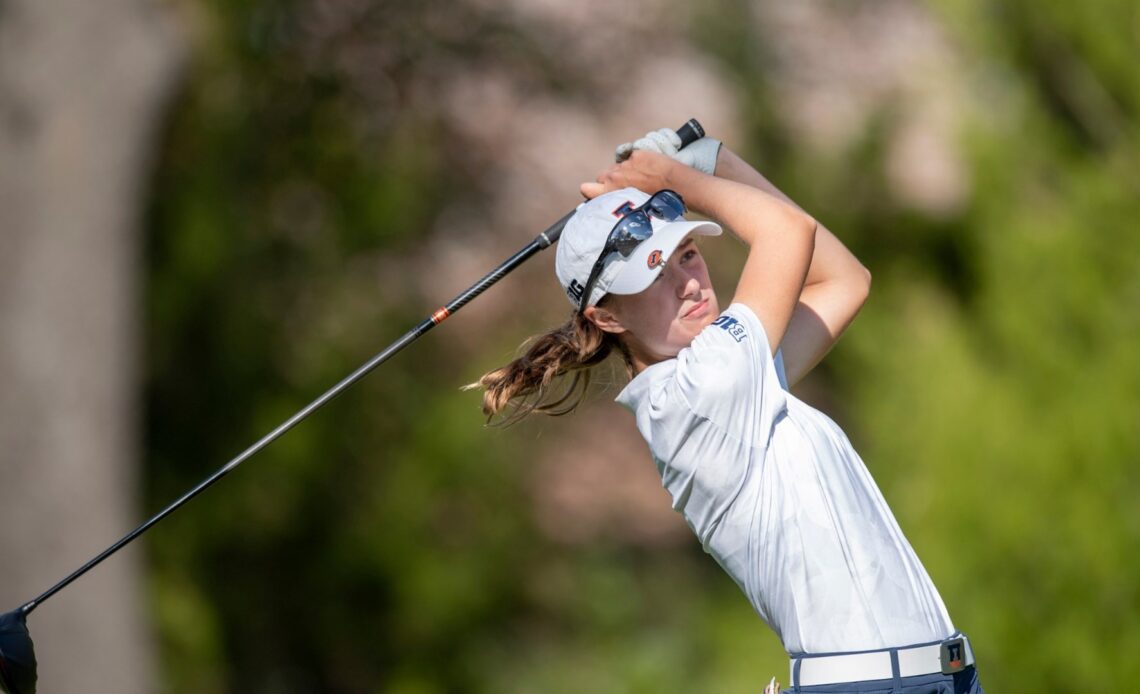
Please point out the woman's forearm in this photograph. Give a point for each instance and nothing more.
(749, 214)
(831, 260)
(780, 236)
(834, 289)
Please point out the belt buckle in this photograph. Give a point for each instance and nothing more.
(953, 656)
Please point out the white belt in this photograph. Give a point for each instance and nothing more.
(876, 665)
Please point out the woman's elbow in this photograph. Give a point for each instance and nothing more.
(805, 229)
(809, 226)
(861, 284)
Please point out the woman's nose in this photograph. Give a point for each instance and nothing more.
(691, 287)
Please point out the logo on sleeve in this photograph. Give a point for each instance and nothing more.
(731, 326)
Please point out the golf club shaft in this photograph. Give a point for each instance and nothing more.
(427, 324)
(689, 132)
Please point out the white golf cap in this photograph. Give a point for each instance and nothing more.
(585, 235)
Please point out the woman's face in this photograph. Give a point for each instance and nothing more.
(660, 321)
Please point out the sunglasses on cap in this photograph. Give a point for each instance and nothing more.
(633, 228)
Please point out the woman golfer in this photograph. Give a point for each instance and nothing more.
(770, 486)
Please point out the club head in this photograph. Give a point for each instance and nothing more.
(17, 655)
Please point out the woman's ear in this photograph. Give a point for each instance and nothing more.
(604, 318)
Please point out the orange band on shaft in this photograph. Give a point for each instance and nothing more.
(440, 315)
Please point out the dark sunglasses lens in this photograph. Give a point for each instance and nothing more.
(667, 205)
(631, 231)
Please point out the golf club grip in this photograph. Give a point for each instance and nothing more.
(689, 133)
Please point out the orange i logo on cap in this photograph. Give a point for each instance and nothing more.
(655, 260)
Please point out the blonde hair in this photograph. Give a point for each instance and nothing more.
(536, 381)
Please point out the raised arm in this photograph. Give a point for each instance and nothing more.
(834, 290)
(780, 237)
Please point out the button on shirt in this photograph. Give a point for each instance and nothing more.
(776, 493)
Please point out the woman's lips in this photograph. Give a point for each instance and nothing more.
(698, 310)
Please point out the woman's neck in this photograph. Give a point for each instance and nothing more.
(641, 359)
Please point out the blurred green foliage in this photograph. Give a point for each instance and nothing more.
(1008, 419)
(387, 544)
(993, 381)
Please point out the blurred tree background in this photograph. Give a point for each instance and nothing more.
(335, 169)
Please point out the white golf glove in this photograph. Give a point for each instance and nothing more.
(701, 155)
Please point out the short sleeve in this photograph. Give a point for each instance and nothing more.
(708, 417)
(729, 377)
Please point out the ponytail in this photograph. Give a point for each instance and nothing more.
(528, 384)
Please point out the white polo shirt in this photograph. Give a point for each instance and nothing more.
(776, 493)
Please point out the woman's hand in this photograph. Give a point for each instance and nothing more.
(647, 171)
(701, 155)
